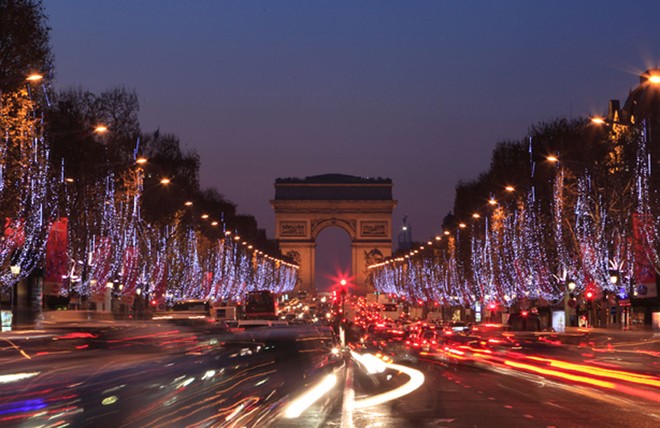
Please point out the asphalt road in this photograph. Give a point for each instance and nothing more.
(463, 396)
(148, 376)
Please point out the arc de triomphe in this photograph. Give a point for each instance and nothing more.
(361, 206)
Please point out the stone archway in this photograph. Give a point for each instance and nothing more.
(360, 206)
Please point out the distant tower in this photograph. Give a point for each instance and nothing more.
(405, 236)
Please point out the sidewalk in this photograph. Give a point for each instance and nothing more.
(615, 337)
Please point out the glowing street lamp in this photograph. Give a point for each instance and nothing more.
(15, 270)
(510, 189)
(476, 215)
(165, 181)
(552, 158)
(570, 284)
(598, 120)
(614, 277)
(141, 161)
(462, 225)
(492, 201)
(654, 79)
(34, 77)
(188, 203)
(101, 129)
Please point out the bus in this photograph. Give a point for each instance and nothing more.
(187, 309)
(260, 304)
(391, 311)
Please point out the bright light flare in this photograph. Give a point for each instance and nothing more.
(310, 397)
(598, 120)
(370, 362)
(35, 77)
(101, 129)
(654, 78)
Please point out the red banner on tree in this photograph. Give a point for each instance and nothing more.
(159, 278)
(57, 260)
(643, 272)
(207, 282)
(14, 233)
(131, 271)
(101, 264)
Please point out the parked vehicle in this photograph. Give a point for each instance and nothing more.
(188, 309)
(225, 313)
(525, 321)
(261, 304)
(391, 311)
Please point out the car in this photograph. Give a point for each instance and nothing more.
(497, 337)
(525, 321)
(456, 326)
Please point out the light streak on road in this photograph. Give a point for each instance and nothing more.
(308, 398)
(608, 373)
(416, 380)
(235, 413)
(562, 375)
(370, 362)
(23, 353)
(15, 377)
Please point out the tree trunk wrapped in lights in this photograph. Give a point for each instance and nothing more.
(25, 185)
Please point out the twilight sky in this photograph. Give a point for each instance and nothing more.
(417, 91)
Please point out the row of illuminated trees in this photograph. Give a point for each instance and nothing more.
(88, 201)
(99, 206)
(572, 208)
(103, 206)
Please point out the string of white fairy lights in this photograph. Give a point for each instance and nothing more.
(517, 253)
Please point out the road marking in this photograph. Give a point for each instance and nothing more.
(550, 403)
(348, 403)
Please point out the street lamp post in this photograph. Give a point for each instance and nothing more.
(16, 271)
(342, 321)
(568, 295)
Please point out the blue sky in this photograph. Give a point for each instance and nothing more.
(417, 91)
